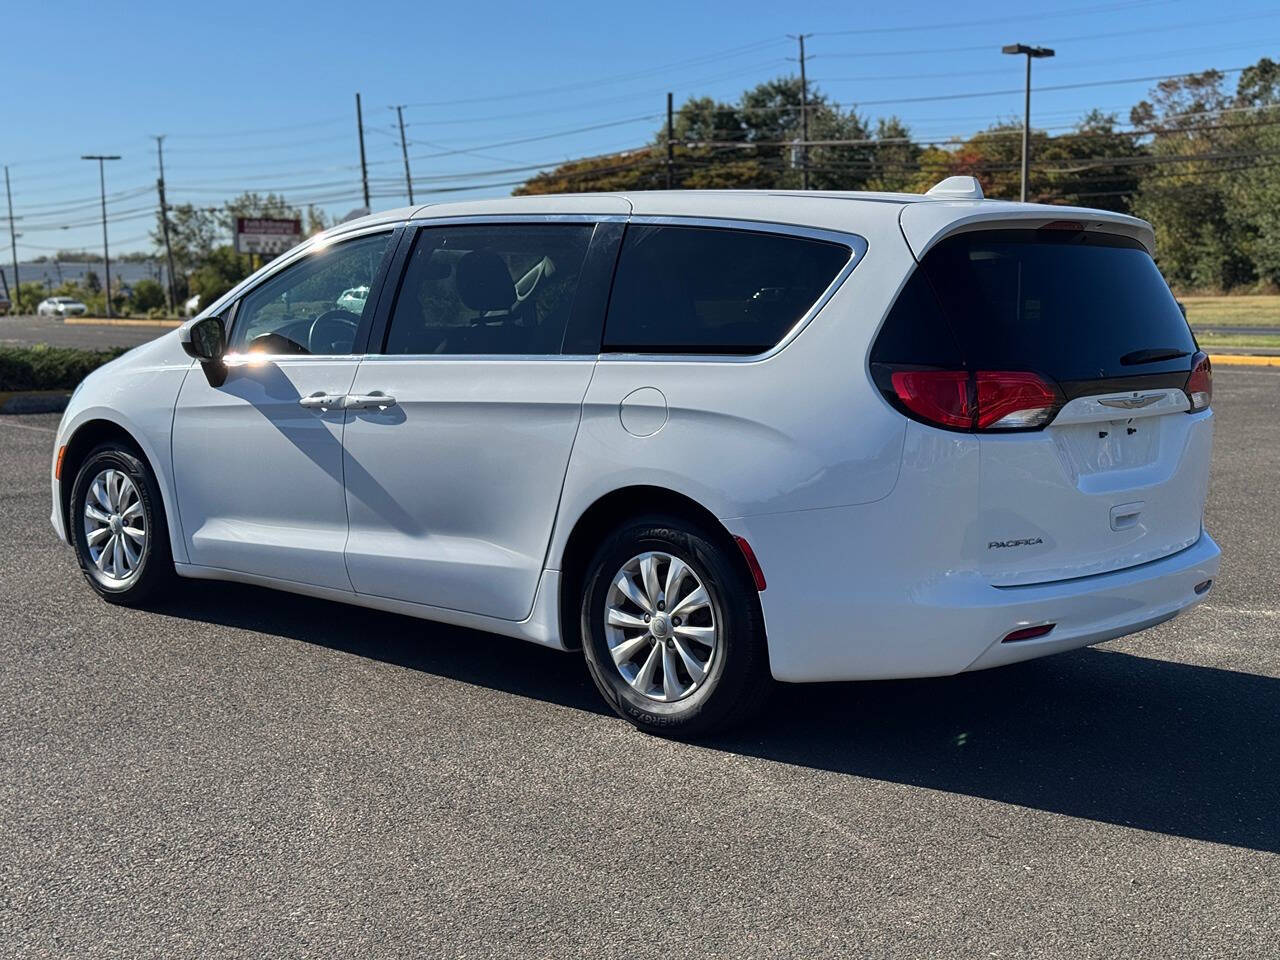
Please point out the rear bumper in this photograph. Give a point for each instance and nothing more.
(832, 615)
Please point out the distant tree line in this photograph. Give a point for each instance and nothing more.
(1199, 160)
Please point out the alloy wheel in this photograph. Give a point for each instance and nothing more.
(115, 525)
(661, 626)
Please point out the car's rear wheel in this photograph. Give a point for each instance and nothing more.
(118, 526)
(672, 630)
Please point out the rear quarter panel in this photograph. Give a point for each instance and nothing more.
(799, 429)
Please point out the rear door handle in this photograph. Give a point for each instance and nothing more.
(368, 401)
(322, 401)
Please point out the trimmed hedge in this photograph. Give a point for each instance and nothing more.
(42, 367)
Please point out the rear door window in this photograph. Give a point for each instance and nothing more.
(1074, 306)
(706, 290)
(492, 289)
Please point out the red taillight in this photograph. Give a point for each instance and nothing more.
(1200, 384)
(940, 396)
(986, 400)
(1014, 401)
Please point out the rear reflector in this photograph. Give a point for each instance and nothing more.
(752, 563)
(1200, 384)
(986, 400)
(1029, 633)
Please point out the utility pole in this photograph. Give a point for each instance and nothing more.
(1032, 53)
(13, 237)
(804, 115)
(164, 227)
(106, 253)
(364, 167)
(671, 141)
(404, 152)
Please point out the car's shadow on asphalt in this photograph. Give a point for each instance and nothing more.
(1183, 750)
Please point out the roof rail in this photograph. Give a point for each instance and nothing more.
(957, 188)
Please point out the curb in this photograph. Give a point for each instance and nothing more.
(119, 322)
(34, 401)
(1242, 360)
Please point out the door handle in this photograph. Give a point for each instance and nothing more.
(322, 401)
(368, 401)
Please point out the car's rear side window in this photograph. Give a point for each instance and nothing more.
(710, 290)
(1075, 306)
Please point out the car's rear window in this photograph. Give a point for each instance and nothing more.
(1072, 305)
(714, 291)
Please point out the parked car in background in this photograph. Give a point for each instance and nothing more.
(61, 307)
(713, 439)
(353, 299)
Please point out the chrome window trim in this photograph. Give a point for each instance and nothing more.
(856, 244)
(518, 219)
(485, 357)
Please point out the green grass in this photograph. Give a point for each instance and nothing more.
(1257, 310)
(42, 367)
(1208, 339)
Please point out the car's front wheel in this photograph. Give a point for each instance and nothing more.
(672, 629)
(118, 526)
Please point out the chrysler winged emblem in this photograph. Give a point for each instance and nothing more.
(1131, 403)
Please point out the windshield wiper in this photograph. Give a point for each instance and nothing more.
(1152, 355)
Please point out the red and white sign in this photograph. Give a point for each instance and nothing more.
(263, 235)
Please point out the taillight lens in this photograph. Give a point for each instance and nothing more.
(1014, 401)
(1200, 384)
(986, 400)
(942, 397)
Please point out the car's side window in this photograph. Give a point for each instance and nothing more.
(712, 290)
(489, 289)
(314, 306)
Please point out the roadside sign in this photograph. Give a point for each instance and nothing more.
(266, 236)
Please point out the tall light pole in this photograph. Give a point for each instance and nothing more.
(1031, 53)
(106, 253)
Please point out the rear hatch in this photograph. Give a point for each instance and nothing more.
(1061, 348)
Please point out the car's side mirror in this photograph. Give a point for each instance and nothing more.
(206, 339)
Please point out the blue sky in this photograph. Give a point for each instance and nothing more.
(261, 96)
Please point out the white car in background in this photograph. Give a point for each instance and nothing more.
(353, 299)
(712, 439)
(61, 307)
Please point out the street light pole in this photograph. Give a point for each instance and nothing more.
(1030, 53)
(106, 253)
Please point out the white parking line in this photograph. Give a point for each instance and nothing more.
(27, 426)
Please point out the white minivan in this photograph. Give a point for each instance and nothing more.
(715, 439)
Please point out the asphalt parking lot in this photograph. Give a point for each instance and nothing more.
(28, 329)
(244, 773)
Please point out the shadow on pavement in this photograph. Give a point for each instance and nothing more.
(1183, 750)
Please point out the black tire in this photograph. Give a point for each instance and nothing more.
(737, 683)
(154, 568)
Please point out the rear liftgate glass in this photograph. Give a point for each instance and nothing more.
(996, 333)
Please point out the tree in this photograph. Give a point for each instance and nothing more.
(92, 283)
(1201, 235)
(221, 271)
(147, 295)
